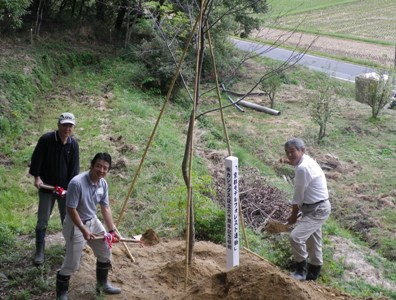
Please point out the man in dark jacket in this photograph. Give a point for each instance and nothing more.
(55, 161)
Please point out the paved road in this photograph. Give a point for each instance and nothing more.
(336, 69)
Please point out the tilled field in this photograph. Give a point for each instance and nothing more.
(383, 55)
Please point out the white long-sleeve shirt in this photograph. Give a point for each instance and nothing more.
(310, 184)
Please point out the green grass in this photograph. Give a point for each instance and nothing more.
(116, 116)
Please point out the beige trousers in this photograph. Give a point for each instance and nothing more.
(306, 237)
(75, 243)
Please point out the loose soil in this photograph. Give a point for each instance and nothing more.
(159, 272)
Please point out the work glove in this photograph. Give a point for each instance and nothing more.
(59, 191)
(110, 238)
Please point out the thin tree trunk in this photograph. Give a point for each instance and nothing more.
(81, 9)
(73, 8)
(39, 18)
(120, 15)
(62, 7)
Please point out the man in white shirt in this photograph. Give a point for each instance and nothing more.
(311, 197)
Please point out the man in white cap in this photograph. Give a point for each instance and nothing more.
(55, 161)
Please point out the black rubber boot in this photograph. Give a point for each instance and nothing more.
(62, 285)
(40, 246)
(313, 272)
(301, 270)
(102, 285)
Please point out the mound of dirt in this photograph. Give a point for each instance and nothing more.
(159, 272)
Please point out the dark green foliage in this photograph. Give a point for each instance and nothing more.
(161, 68)
(24, 280)
(11, 13)
(227, 59)
(16, 92)
(7, 239)
(243, 14)
(280, 250)
(150, 51)
(211, 227)
(62, 63)
(388, 249)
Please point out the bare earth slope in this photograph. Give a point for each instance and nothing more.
(159, 273)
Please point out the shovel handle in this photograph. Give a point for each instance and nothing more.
(125, 240)
(52, 188)
(47, 187)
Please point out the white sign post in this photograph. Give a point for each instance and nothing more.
(232, 211)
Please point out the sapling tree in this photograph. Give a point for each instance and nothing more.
(379, 93)
(271, 85)
(322, 106)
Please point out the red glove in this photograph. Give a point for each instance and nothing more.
(110, 238)
(59, 191)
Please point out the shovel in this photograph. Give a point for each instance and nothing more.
(57, 190)
(148, 238)
(125, 240)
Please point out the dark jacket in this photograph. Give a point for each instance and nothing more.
(56, 163)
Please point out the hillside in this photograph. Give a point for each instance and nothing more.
(115, 115)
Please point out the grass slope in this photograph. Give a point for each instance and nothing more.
(116, 116)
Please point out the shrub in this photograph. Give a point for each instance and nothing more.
(7, 238)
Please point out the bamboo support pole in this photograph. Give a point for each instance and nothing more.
(126, 247)
(152, 135)
(225, 130)
(195, 102)
(218, 94)
(156, 125)
(260, 257)
(255, 254)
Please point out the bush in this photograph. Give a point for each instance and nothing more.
(210, 227)
(280, 250)
(7, 239)
(388, 249)
(11, 13)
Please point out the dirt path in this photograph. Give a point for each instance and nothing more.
(384, 55)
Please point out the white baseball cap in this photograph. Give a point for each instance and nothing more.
(67, 118)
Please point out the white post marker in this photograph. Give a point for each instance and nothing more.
(232, 211)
